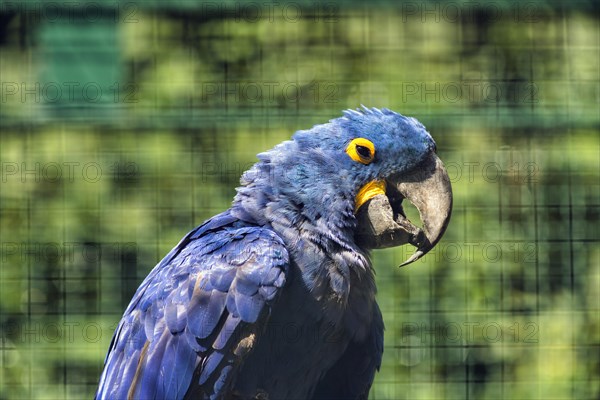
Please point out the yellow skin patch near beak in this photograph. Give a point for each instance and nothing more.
(367, 192)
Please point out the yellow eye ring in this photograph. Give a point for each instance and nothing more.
(361, 150)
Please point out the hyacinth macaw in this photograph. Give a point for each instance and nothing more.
(275, 297)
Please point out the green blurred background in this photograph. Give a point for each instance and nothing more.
(125, 124)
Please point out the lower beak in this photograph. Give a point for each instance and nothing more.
(382, 222)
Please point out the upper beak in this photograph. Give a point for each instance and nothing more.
(382, 222)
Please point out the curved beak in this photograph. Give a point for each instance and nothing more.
(382, 222)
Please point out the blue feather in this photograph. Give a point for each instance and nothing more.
(209, 366)
(178, 367)
(204, 311)
(149, 385)
(228, 329)
(175, 317)
(222, 380)
(221, 278)
(249, 307)
(193, 342)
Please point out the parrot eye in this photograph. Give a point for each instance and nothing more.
(361, 150)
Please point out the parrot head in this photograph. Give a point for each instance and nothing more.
(349, 178)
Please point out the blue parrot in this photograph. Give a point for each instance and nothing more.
(275, 297)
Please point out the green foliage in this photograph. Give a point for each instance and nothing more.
(505, 307)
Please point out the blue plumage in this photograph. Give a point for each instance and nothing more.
(273, 296)
(168, 326)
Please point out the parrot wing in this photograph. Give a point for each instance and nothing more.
(197, 314)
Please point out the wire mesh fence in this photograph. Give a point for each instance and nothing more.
(124, 125)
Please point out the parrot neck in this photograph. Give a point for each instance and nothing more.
(332, 267)
(319, 224)
(314, 217)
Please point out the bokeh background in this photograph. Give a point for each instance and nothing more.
(125, 124)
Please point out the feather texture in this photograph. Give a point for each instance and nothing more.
(272, 298)
(182, 329)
